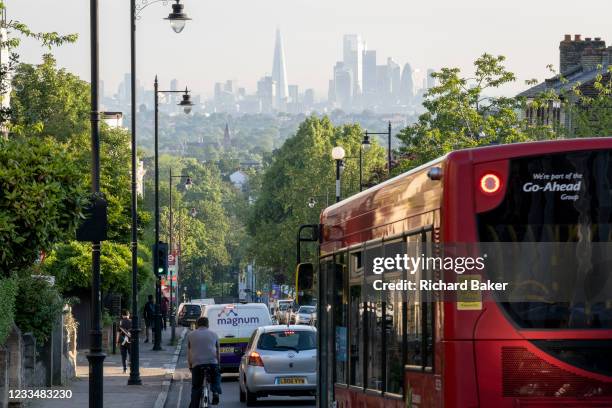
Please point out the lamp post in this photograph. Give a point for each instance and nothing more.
(365, 146)
(175, 20)
(95, 356)
(188, 184)
(338, 154)
(389, 151)
(186, 104)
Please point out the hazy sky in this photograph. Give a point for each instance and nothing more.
(234, 39)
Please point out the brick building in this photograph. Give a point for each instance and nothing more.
(580, 61)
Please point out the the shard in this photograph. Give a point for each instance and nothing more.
(279, 71)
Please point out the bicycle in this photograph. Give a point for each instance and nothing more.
(206, 398)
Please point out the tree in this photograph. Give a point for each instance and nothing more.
(459, 114)
(300, 169)
(15, 31)
(51, 99)
(70, 263)
(43, 197)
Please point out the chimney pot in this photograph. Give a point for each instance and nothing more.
(577, 37)
(568, 37)
(597, 38)
(587, 39)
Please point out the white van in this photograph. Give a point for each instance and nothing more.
(234, 323)
(207, 301)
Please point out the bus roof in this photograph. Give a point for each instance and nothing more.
(384, 206)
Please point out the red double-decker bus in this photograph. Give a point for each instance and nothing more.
(398, 349)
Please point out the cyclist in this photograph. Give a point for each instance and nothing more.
(203, 354)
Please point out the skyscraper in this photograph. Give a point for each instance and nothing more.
(173, 87)
(407, 86)
(369, 75)
(279, 71)
(343, 85)
(394, 78)
(431, 81)
(352, 48)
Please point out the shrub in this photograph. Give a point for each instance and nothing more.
(38, 307)
(8, 290)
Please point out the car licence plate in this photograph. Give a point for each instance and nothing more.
(227, 349)
(291, 380)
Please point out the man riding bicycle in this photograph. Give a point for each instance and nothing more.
(203, 354)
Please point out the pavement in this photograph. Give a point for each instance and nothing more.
(156, 371)
(180, 391)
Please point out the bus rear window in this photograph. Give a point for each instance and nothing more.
(556, 198)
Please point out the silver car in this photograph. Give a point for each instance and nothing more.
(303, 315)
(279, 360)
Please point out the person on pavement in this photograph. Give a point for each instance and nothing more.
(149, 315)
(164, 312)
(203, 354)
(123, 337)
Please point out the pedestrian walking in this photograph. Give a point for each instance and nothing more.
(124, 337)
(164, 312)
(149, 315)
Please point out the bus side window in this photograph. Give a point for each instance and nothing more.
(420, 310)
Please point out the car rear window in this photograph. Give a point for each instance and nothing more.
(297, 340)
(192, 309)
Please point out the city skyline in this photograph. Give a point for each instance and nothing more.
(238, 46)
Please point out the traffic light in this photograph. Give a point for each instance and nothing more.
(161, 253)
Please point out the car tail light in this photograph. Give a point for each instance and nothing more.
(255, 359)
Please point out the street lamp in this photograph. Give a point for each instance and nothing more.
(186, 102)
(188, 184)
(135, 11)
(338, 154)
(158, 317)
(177, 18)
(96, 355)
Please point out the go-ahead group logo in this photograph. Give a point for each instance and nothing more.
(229, 317)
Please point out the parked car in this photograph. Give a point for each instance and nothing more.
(303, 315)
(279, 360)
(188, 314)
(234, 323)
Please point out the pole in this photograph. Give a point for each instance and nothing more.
(360, 169)
(95, 355)
(170, 230)
(389, 151)
(157, 325)
(135, 330)
(338, 165)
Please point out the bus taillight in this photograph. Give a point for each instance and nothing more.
(490, 183)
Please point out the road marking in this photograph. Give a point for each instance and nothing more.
(180, 395)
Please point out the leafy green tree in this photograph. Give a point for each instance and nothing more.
(51, 98)
(70, 263)
(16, 30)
(43, 196)
(300, 169)
(459, 114)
